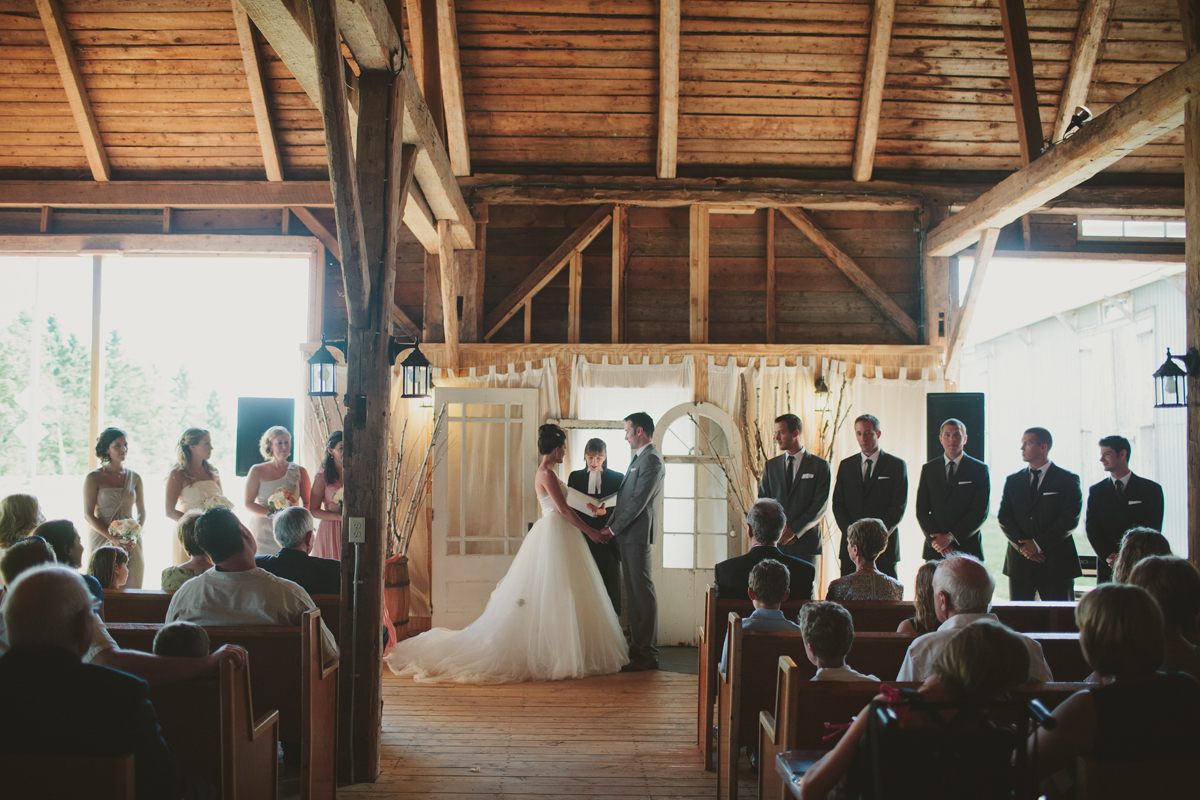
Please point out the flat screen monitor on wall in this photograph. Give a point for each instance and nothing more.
(965, 406)
(254, 416)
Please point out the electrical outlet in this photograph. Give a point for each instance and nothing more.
(358, 530)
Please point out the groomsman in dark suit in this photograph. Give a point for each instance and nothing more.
(600, 481)
(1118, 503)
(872, 484)
(1039, 512)
(952, 497)
(799, 481)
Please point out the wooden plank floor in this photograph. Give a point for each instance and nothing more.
(621, 736)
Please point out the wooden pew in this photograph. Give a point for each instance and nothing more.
(210, 725)
(148, 605)
(803, 706)
(1162, 780)
(287, 676)
(54, 777)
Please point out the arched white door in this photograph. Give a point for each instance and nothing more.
(698, 525)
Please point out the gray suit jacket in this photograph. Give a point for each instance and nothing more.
(633, 521)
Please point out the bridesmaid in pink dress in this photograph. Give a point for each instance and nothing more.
(322, 505)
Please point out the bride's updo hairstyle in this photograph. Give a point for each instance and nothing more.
(183, 451)
(550, 438)
(105, 440)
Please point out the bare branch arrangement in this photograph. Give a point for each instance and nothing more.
(734, 483)
(832, 423)
(402, 538)
(393, 490)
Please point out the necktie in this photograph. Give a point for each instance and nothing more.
(633, 461)
(867, 472)
(1120, 487)
(791, 461)
(1034, 474)
(950, 476)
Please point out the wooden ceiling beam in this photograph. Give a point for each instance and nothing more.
(983, 257)
(668, 87)
(544, 272)
(72, 79)
(874, 78)
(1089, 38)
(1020, 73)
(854, 272)
(156, 194)
(367, 28)
(1141, 118)
(318, 229)
(452, 89)
(272, 164)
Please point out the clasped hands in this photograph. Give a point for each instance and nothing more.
(1030, 550)
(602, 536)
(942, 542)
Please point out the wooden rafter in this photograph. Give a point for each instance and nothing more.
(698, 274)
(1093, 28)
(318, 229)
(983, 257)
(416, 39)
(545, 271)
(72, 79)
(156, 194)
(448, 282)
(853, 271)
(874, 78)
(452, 89)
(1141, 118)
(258, 96)
(401, 176)
(620, 270)
(1020, 73)
(668, 87)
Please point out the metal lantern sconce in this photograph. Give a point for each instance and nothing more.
(322, 373)
(1170, 382)
(821, 388)
(415, 375)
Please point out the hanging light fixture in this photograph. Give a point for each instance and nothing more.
(415, 374)
(1170, 382)
(322, 373)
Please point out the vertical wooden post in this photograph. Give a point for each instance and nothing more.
(432, 317)
(529, 320)
(620, 266)
(449, 285)
(935, 288)
(698, 266)
(1189, 13)
(770, 276)
(668, 87)
(96, 397)
(574, 295)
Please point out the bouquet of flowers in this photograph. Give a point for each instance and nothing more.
(125, 530)
(282, 499)
(338, 495)
(218, 501)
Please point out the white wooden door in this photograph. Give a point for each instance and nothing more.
(483, 495)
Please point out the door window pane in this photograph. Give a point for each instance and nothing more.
(677, 551)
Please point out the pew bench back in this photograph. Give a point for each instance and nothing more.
(149, 605)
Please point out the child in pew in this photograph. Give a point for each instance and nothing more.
(828, 631)
(184, 639)
(769, 582)
(110, 566)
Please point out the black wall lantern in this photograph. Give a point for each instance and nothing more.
(1170, 382)
(322, 373)
(415, 374)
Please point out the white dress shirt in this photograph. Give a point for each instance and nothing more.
(918, 661)
(594, 480)
(842, 673)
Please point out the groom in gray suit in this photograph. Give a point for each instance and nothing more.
(632, 526)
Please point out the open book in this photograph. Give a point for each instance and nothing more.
(579, 501)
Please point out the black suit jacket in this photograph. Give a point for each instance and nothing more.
(733, 575)
(959, 509)
(55, 704)
(805, 504)
(1050, 520)
(315, 575)
(1141, 506)
(610, 481)
(885, 497)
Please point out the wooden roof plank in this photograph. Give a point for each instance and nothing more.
(874, 78)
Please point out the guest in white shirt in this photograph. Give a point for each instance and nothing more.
(828, 631)
(235, 591)
(962, 594)
(768, 589)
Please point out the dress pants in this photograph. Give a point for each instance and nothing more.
(1045, 584)
(643, 603)
(608, 560)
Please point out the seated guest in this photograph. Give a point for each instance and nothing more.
(109, 566)
(828, 632)
(1175, 584)
(1138, 543)
(768, 589)
(866, 541)
(183, 639)
(1142, 714)
(962, 594)
(235, 591)
(764, 525)
(66, 707)
(925, 619)
(27, 553)
(68, 549)
(294, 531)
(19, 515)
(980, 662)
(198, 561)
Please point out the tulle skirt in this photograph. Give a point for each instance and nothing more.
(549, 618)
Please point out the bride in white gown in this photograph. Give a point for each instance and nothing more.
(549, 618)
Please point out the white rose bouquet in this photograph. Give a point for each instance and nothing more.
(218, 501)
(339, 495)
(125, 530)
(282, 499)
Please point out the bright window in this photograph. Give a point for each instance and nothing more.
(1134, 228)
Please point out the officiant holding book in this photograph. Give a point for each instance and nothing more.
(599, 481)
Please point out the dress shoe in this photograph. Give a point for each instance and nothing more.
(640, 665)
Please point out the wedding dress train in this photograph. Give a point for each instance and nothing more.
(549, 618)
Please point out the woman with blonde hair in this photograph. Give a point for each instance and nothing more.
(925, 619)
(193, 483)
(19, 515)
(109, 494)
(1175, 584)
(866, 541)
(275, 475)
(198, 561)
(110, 566)
(1136, 544)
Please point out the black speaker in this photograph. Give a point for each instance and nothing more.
(254, 416)
(964, 406)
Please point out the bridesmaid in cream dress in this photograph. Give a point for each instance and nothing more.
(322, 505)
(269, 477)
(109, 494)
(192, 483)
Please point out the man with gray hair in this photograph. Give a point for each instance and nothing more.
(294, 532)
(962, 593)
(764, 525)
(70, 708)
